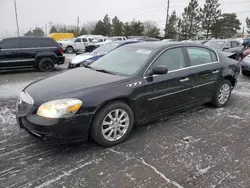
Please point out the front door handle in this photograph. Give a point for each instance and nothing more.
(184, 80)
(215, 72)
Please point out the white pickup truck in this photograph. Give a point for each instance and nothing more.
(79, 43)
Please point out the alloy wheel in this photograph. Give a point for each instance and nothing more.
(115, 125)
(224, 93)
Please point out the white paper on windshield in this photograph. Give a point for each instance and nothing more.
(142, 51)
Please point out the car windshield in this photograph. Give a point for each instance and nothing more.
(126, 60)
(106, 47)
(217, 44)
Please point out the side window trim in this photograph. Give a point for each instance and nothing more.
(164, 50)
(189, 61)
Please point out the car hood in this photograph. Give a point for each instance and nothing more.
(228, 54)
(82, 57)
(72, 83)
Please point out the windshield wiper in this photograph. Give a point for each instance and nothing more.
(89, 67)
(105, 71)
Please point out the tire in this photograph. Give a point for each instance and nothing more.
(70, 50)
(97, 127)
(224, 89)
(46, 65)
(245, 73)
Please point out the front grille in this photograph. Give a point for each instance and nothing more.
(24, 104)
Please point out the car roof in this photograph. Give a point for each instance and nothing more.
(29, 37)
(159, 44)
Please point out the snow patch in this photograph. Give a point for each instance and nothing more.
(203, 171)
(6, 117)
(11, 90)
(241, 93)
(66, 173)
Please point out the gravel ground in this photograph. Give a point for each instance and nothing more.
(203, 147)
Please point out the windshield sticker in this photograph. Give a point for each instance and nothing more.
(142, 51)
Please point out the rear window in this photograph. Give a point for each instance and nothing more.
(46, 43)
(28, 43)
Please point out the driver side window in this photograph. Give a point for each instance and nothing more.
(78, 40)
(173, 59)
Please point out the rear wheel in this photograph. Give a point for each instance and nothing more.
(222, 94)
(112, 124)
(246, 73)
(70, 49)
(46, 65)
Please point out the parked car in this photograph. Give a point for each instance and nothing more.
(42, 53)
(129, 85)
(169, 40)
(61, 41)
(118, 38)
(95, 44)
(79, 44)
(88, 58)
(245, 65)
(228, 45)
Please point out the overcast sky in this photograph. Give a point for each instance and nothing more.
(33, 13)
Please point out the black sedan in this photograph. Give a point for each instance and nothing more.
(130, 85)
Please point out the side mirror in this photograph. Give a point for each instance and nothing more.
(161, 69)
(226, 48)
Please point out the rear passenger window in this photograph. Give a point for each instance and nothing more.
(199, 56)
(46, 43)
(9, 44)
(28, 43)
(78, 40)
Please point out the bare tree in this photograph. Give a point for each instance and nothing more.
(151, 29)
(89, 26)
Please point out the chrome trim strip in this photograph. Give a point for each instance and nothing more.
(204, 84)
(28, 48)
(16, 60)
(13, 60)
(168, 94)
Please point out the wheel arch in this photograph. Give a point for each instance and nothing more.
(125, 100)
(42, 55)
(231, 79)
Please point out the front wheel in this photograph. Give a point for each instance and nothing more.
(112, 124)
(222, 94)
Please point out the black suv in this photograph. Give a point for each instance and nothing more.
(25, 52)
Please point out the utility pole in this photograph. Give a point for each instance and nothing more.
(16, 19)
(243, 32)
(77, 27)
(167, 16)
(46, 30)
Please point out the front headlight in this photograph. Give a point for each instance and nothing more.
(86, 62)
(59, 108)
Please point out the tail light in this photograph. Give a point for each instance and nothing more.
(61, 51)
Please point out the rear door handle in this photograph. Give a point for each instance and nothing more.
(215, 72)
(184, 80)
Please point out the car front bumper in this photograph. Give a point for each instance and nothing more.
(60, 130)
